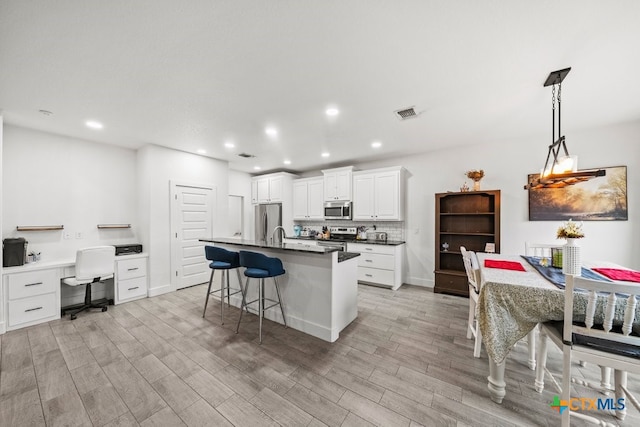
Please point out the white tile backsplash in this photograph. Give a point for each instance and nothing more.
(394, 229)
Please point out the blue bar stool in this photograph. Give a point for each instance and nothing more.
(223, 260)
(260, 266)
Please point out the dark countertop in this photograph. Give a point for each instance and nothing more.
(345, 256)
(299, 247)
(365, 242)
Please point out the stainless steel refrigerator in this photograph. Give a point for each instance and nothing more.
(268, 217)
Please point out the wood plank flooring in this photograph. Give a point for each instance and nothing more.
(405, 361)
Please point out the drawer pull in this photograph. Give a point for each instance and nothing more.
(368, 249)
(132, 269)
(368, 275)
(34, 284)
(368, 260)
(130, 289)
(33, 309)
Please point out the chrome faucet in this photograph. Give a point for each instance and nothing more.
(275, 231)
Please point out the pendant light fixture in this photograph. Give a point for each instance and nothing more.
(560, 169)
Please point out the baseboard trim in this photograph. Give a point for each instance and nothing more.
(419, 281)
(159, 290)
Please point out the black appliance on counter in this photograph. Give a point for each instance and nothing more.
(14, 251)
(132, 248)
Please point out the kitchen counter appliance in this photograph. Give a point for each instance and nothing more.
(337, 210)
(338, 237)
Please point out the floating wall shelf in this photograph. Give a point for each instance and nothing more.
(39, 227)
(110, 226)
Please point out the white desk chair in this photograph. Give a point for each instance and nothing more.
(607, 345)
(472, 268)
(93, 265)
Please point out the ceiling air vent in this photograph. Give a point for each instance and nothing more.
(246, 155)
(406, 113)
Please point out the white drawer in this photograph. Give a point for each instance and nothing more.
(33, 308)
(130, 268)
(375, 275)
(373, 249)
(132, 288)
(381, 261)
(32, 283)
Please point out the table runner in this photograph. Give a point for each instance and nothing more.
(555, 275)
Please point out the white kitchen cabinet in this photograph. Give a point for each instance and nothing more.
(32, 297)
(379, 265)
(131, 278)
(337, 184)
(308, 199)
(378, 195)
(270, 188)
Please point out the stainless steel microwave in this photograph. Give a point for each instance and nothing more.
(337, 210)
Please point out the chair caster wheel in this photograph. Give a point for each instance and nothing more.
(73, 317)
(104, 308)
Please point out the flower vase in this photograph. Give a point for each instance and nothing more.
(571, 258)
(476, 185)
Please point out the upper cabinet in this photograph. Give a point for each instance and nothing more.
(337, 184)
(270, 188)
(378, 195)
(308, 199)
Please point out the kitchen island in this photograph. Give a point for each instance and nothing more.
(319, 290)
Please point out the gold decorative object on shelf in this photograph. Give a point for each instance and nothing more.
(476, 176)
(39, 227)
(110, 226)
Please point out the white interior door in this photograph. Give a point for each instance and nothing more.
(192, 208)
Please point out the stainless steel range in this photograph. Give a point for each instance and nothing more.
(338, 237)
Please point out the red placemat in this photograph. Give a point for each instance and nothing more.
(505, 265)
(619, 274)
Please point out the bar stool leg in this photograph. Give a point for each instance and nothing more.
(280, 301)
(242, 291)
(261, 306)
(244, 304)
(206, 301)
(224, 273)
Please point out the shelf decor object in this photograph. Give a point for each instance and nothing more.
(470, 219)
(560, 170)
(112, 226)
(39, 227)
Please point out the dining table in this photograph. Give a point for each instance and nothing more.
(516, 294)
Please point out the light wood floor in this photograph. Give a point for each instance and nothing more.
(405, 361)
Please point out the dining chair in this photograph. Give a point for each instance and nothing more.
(542, 250)
(472, 267)
(597, 339)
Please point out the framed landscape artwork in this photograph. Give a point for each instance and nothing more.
(599, 199)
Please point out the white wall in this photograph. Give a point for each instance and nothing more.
(55, 180)
(506, 166)
(240, 185)
(156, 167)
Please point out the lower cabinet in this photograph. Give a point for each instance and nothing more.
(131, 278)
(32, 297)
(379, 264)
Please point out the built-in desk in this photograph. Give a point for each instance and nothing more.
(32, 293)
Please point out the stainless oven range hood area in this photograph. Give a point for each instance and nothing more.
(338, 210)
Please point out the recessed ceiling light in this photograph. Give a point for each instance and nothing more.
(201, 151)
(376, 144)
(271, 131)
(93, 124)
(325, 154)
(287, 162)
(331, 112)
(229, 144)
(257, 168)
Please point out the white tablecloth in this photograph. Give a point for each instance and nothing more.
(512, 303)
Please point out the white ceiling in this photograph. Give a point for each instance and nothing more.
(195, 74)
